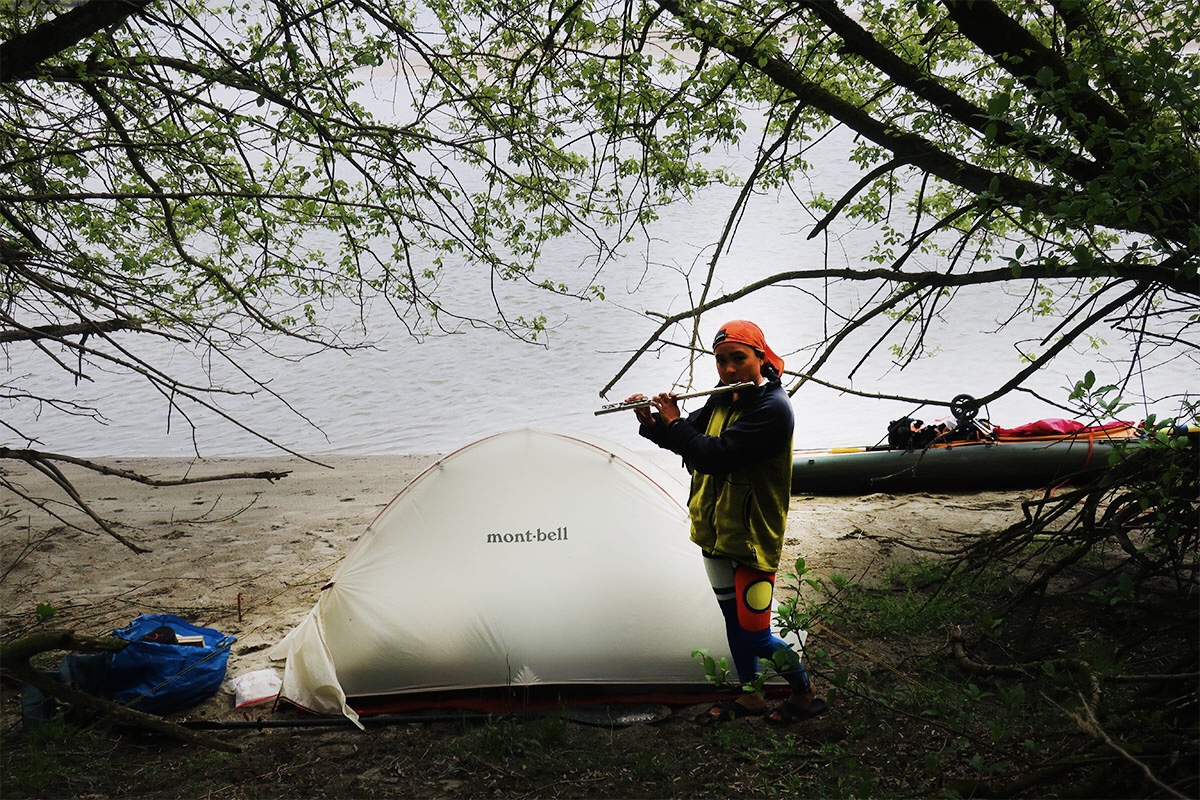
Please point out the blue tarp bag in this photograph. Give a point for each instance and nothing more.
(156, 674)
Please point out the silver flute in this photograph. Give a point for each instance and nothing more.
(729, 387)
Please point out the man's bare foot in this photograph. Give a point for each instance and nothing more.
(749, 705)
(797, 708)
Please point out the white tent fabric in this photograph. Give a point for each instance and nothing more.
(529, 557)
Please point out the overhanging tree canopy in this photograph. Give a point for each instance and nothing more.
(1056, 139)
(208, 175)
(172, 164)
(204, 178)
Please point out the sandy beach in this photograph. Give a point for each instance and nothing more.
(248, 557)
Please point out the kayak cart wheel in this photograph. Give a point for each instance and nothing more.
(964, 407)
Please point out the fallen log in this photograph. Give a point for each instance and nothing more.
(15, 657)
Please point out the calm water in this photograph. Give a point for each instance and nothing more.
(441, 393)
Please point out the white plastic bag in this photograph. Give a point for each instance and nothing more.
(256, 687)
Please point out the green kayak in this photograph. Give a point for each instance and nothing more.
(1003, 463)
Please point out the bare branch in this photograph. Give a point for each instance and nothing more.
(45, 463)
(34, 456)
(61, 331)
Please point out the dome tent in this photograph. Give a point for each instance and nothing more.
(528, 558)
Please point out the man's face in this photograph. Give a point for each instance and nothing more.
(737, 362)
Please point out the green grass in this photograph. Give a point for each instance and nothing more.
(507, 737)
(57, 754)
(907, 720)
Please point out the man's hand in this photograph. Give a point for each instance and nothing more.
(667, 405)
(645, 415)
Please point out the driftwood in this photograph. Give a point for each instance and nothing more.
(15, 656)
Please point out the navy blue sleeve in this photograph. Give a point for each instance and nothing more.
(763, 429)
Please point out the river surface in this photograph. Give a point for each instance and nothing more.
(440, 393)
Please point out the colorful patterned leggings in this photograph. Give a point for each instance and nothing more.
(744, 595)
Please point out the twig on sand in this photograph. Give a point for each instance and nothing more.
(47, 464)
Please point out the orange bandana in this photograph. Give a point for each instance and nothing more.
(742, 331)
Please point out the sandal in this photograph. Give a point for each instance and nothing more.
(728, 711)
(787, 712)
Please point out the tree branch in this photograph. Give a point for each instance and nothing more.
(918, 280)
(1088, 723)
(926, 86)
(907, 147)
(76, 329)
(1018, 51)
(21, 55)
(1045, 199)
(44, 463)
(33, 456)
(1076, 666)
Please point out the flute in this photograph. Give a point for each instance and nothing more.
(729, 387)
